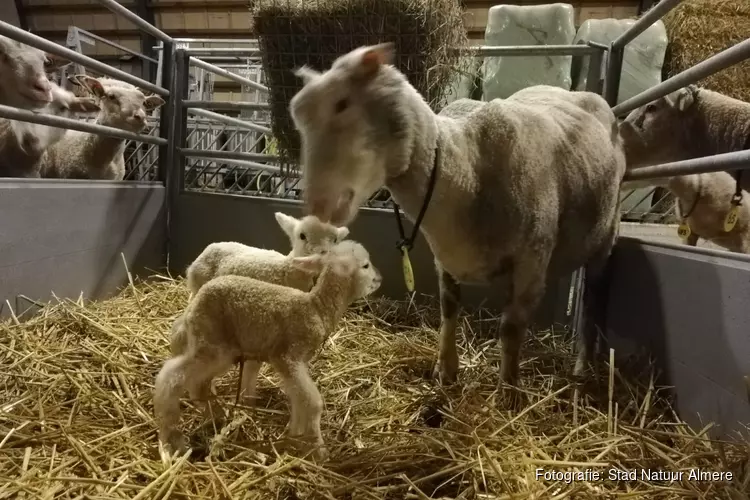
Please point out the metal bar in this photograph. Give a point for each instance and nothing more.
(40, 43)
(167, 76)
(594, 81)
(226, 155)
(612, 78)
(527, 50)
(713, 64)
(208, 51)
(738, 160)
(133, 18)
(227, 105)
(144, 10)
(230, 121)
(117, 46)
(645, 22)
(216, 40)
(23, 115)
(227, 74)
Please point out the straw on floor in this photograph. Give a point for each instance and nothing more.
(76, 417)
(315, 32)
(699, 29)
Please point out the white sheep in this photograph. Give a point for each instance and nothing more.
(693, 122)
(235, 317)
(309, 235)
(24, 83)
(22, 144)
(82, 155)
(527, 187)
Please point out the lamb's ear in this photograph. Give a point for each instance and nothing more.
(152, 102)
(306, 74)
(341, 233)
(287, 223)
(373, 58)
(84, 105)
(91, 84)
(311, 263)
(683, 98)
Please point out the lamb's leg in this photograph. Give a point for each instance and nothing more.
(306, 404)
(446, 368)
(527, 291)
(250, 381)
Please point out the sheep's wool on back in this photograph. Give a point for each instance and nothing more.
(642, 61)
(551, 24)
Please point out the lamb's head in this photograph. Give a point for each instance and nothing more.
(123, 105)
(24, 83)
(309, 235)
(658, 131)
(355, 130)
(347, 260)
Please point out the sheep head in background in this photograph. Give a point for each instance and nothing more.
(659, 131)
(24, 83)
(354, 132)
(309, 235)
(123, 105)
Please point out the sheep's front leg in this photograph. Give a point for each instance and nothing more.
(250, 381)
(306, 404)
(446, 368)
(527, 291)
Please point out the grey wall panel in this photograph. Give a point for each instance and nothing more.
(65, 237)
(691, 309)
(204, 218)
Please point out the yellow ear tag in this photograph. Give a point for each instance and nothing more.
(683, 231)
(731, 218)
(408, 273)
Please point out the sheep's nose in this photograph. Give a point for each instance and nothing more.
(140, 115)
(43, 87)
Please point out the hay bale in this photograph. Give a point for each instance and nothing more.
(699, 29)
(315, 32)
(76, 417)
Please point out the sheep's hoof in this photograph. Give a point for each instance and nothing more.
(321, 453)
(445, 373)
(174, 442)
(510, 397)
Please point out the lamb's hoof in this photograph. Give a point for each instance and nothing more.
(321, 453)
(173, 443)
(510, 397)
(446, 372)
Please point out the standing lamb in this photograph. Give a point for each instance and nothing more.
(235, 317)
(526, 189)
(22, 144)
(691, 123)
(23, 69)
(309, 235)
(82, 155)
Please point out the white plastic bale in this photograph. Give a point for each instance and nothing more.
(643, 58)
(551, 24)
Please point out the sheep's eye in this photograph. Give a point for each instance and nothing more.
(302, 236)
(111, 96)
(650, 108)
(341, 105)
(366, 266)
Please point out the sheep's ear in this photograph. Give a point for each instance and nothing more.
(306, 74)
(74, 80)
(341, 233)
(91, 84)
(152, 102)
(373, 58)
(310, 263)
(84, 105)
(287, 223)
(682, 99)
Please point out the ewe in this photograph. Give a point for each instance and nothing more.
(525, 188)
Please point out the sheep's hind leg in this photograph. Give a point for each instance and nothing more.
(306, 404)
(527, 291)
(446, 368)
(250, 381)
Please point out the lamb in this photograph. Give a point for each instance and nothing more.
(235, 317)
(527, 187)
(82, 155)
(693, 122)
(309, 235)
(24, 83)
(22, 144)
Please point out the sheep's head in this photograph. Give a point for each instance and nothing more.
(123, 106)
(309, 235)
(353, 125)
(24, 83)
(656, 132)
(347, 259)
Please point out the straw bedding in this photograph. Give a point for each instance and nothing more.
(699, 29)
(76, 416)
(315, 32)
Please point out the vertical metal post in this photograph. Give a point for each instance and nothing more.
(165, 112)
(614, 71)
(175, 174)
(594, 81)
